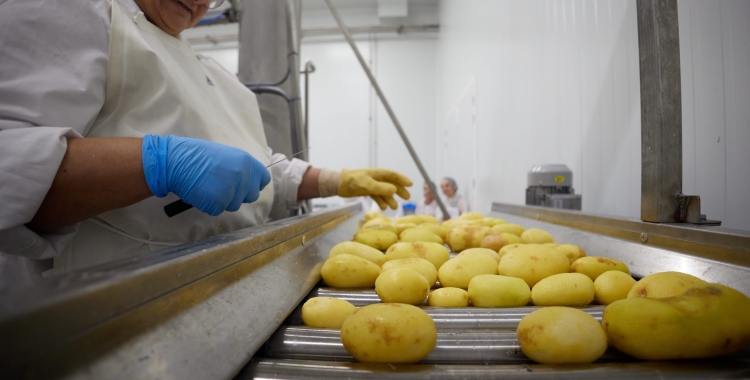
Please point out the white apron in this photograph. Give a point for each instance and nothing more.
(156, 84)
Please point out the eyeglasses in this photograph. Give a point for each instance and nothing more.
(215, 3)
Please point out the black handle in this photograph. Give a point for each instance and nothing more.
(176, 207)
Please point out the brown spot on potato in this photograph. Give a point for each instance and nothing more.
(534, 258)
(641, 293)
(605, 260)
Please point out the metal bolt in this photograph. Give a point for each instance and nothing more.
(644, 237)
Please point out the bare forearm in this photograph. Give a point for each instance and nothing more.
(95, 176)
(308, 189)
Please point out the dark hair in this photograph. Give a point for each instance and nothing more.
(452, 182)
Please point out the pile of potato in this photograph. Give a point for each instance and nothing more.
(504, 265)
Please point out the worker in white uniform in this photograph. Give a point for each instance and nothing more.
(428, 206)
(107, 115)
(455, 204)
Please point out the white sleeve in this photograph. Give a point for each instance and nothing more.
(52, 83)
(287, 176)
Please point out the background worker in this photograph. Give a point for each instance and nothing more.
(455, 204)
(161, 123)
(428, 206)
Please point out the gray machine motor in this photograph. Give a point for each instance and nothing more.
(552, 186)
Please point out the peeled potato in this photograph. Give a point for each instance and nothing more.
(507, 249)
(494, 242)
(326, 312)
(358, 249)
(402, 285)
(532, 263)
(664, 284)
(514, 229)
(435, 253)
(536, 236)
(572, 252)
(593, 266)
(612, 286)
(401, 227)
(378, 239)
(386, 227)
(424, 267)
(448, 297)
(564, 289)
(489, 290)
(459, 271)
(480, 251)
(389, 333)
(460, 237)
(415, 219)
(349, 271)
(419, 235)
(558, 335)
(376, 221)
(435, 229)
(511, 238)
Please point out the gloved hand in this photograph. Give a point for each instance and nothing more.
(211, 177)
(379, 184)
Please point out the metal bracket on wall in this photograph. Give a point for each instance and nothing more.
(690, 211)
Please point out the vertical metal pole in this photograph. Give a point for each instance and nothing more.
(387, 107)
(661, 110)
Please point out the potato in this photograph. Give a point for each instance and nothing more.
(706, 321)
(558, 335)
(418, 235)
(572, 252)
(494, 242)
(489, 222)
(536, 236)
(429, 219)
(415, 219)
(326, 312)
(435, 229)
(564, 289)
(376, 221)
(612, 286)
(507, 249)
(389, 333)
(424, 267)
(511, 238)
(349, 271)
(532, 263)
(514, 229)
(378, 239)
(374, 215)
(593, 266)
(448, 297)
(358, 249)
(664, 284)
(552, 245)
(480, 251)
(385, 227)
(459, 271)
(402, 285)
(401, 227)
(471, 215)
(489, 290)
(435, 253)
(460, 238)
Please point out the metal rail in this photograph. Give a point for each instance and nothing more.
(387, 107)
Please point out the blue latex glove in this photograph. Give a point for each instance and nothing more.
(211, 177)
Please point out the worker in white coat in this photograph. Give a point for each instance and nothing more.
(107, 115)
(455, 204)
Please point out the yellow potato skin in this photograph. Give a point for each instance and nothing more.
(429, 219)
(415, 219)
(536, 236)
(508, 248)
(481, 251)
(561, 335)
(435, 253)
(424, 267)
(489, 222)
(532, 263)
(572, 252)
(401, 227)
(457, 272)
(511, 238)
(705, 321)
(460, 237)
(564, 289)
(375, 222)
(493, 241)
(612, 286)
(514, 229)
(385, 227)
(389, 333)
(349, 271)
(471, 215)
(374, 215)
(435, 229)
(664, 284)
(419, 235)
(326, 312)
(489, 290)
(448, 297)
(358, 249)
(593, 266)
(378, 239)
(402, 285)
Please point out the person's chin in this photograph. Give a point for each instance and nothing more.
(177, 23)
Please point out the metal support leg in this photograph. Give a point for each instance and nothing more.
(387, 107)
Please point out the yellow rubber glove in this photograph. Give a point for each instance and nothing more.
(379, 184)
